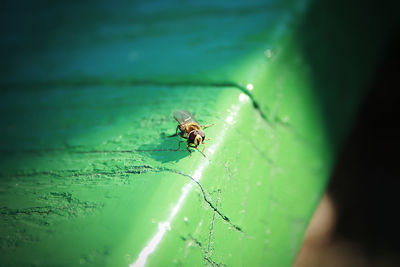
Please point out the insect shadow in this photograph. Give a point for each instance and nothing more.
(164, 150)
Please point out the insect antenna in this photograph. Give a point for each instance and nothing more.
(206, 126)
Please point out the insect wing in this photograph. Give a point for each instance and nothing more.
(183, 117)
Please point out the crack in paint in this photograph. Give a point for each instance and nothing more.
(210, 248)
(205, 257)
(213, 263)
(225, 218)
(137, 170)
(92, 81)
(77, 151)
(61, 204)
(165, 226)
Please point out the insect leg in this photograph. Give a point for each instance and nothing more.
(196, 147)
(201, 151)
(176, 134)
(187, 146)
(179, 144)
(204, 147)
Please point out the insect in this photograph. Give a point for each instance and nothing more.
(189, 129)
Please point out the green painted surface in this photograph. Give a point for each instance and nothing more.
(99, 196)
(87, 173)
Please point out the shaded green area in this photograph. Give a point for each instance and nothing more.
(136, 39)
(75, 190)
(97, 197)
(95, 191)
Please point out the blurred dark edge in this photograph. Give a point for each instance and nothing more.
(345, 43)
(352, 48)
(366, 180)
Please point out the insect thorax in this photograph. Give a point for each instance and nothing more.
(192, 127)
(189, 127)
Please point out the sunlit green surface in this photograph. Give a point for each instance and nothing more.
(83, 201)
(87, 175)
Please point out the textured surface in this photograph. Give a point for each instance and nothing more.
(87, 95)
(99, 196)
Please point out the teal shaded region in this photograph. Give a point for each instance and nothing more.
(136, 40)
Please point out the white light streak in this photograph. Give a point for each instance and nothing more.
(165, 226)
(229, 119)
(197, 175)
(243, 97)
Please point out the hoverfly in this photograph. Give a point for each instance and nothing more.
(189, 129)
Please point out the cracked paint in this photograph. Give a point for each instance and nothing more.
(190, 240)
(83, 148)
(156, 239)
(119, 168)
(210, 247)
(196, 177)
